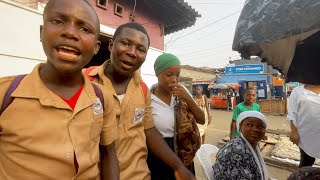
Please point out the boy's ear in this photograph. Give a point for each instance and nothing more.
(97, 47)
(110, 44)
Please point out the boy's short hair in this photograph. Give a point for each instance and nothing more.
(131, 25)
(48, 3)
(248, 89)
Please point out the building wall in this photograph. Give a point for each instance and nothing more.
(143, 15)
(197, 75)
(20, 46)
(21, 49)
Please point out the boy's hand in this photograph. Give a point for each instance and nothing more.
(294, 137)
(183, 174)
(178, 91)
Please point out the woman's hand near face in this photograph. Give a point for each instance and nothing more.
(178, 91)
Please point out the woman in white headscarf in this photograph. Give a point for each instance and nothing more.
(240, 158)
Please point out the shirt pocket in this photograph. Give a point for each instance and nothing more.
(137, 111)
(96, 128)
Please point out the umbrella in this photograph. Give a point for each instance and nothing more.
(275, 30)
(306, 61)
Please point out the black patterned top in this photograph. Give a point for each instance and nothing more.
(235, 161)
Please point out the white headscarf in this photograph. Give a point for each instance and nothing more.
(247, 114)
(256, 153)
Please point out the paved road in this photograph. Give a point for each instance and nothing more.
(220, 127)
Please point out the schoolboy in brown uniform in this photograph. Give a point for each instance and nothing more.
(53, 127)
(128, 49)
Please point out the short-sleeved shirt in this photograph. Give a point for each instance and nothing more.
(40, 133)
(163, 115)
(304, 111)
(134, 115)
(241, 107)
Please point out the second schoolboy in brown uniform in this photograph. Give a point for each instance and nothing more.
(53, 127)
(136, 130)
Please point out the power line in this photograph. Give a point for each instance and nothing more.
(204, 50)
(175, 39)
(203, 36)
(204, 56)
(208, 25)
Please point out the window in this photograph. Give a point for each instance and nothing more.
(118, 10)
(102, 4)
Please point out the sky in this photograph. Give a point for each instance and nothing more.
(208, 43)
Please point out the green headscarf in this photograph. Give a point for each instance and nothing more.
(164, 61)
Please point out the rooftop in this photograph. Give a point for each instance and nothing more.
(175, 14)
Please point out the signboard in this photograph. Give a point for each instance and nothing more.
(245, 69)
(277, 81)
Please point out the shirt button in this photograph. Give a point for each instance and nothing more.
(68, 155)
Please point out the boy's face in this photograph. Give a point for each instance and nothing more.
(250, 97)
(128, 51)
(70, 34)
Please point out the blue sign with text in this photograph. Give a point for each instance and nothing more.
(245, 69)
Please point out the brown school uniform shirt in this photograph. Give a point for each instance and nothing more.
(40, 133)
(131, 144)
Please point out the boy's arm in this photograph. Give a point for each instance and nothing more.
(109, 163)
(232, 129)
(294, 136)
(292, 116)
(159, 147)
(233, 124)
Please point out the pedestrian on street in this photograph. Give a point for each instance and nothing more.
(202, 102)
(230, 96)
(304, 119)
(248, 105)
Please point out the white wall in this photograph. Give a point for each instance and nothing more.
(20, 46)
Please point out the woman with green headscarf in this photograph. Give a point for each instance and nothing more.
(167, 69)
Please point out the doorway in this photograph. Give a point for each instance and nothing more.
(103, 53)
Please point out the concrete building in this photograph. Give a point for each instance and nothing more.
(250, 73)
(200, 76)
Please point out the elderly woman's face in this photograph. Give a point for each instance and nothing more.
(169, 77)
(253, 129)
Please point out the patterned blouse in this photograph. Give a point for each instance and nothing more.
(235, 161)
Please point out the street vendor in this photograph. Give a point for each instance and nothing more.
(240, 158)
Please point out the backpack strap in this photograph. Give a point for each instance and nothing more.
(88, 71)
(144, 90)
(7, 99)
(99, 94)
(97, 90)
